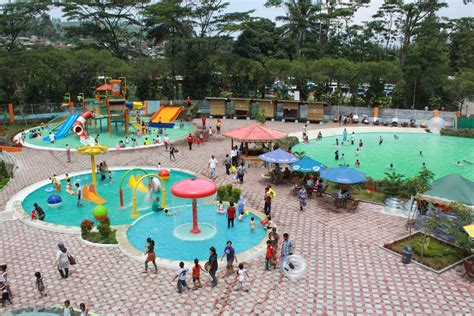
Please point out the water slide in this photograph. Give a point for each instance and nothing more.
(65, 128)
(166, 114)
(89, 193)
(58, 120)
(132, 182)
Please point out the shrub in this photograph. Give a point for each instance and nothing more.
(260, 116)
(287, 142)
(86, 227)
(462, 132)
(104, 230)
(393, 184)
(228, 193)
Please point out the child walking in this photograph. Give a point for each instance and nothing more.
(241, 274)
(40, 285)
(269, 256)
(197, 274)
(181, 275)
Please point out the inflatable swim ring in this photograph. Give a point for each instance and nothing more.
(293, 266)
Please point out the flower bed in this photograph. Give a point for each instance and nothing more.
(437, 254)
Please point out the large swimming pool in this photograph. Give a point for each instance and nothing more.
(174, 241)
(440, 153)
(68, 213)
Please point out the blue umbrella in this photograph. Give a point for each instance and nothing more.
(278, 156)
(307, 165)
(343, 175)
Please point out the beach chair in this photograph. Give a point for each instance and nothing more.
(320, 193)
(353, 207)
(395, 121)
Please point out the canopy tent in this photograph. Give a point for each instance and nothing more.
(278, 156)
(450, 189)
(307, 165)
(104, 87)
(343, 175)
(255, 133)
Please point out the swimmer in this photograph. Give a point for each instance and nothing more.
(395, 137)
(380, 140)
(342, 156)
(460, 164)
(361, 144)
(336, 155)
(168, 213)
(357, 163)
(357, 151)
(337, 142)
(391, 167)
(421, 153)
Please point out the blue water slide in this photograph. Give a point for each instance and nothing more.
(64, 130)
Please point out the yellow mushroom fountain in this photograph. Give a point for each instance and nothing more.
(92, 151)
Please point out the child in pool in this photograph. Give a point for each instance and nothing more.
(110, 176)
(69, 187)
(220, 208)
(252, 224)
(168, 213)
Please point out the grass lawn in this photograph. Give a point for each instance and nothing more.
(436, 253)
(12, 129)
(4, 182)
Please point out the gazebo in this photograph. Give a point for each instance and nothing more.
(255, 133)
(450, 189)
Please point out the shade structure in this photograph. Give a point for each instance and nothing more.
(278, 156)
(449, 189)
(307, 164)
(194, 189)
(104, 87)
(343, 175)
(255, 133)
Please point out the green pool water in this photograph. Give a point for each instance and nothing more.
(118, 134)
(440, 153)
(68, 213)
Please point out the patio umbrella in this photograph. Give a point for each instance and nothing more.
(307, 165)
(278, 156)
(343, 175)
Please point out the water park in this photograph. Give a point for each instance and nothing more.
(111, 119)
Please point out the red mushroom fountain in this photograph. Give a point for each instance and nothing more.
(194, 189)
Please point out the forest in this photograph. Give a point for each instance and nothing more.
(405, 56)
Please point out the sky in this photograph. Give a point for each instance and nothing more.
(455, 9)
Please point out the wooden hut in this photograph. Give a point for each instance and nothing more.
(218, 106)
(287, 109)
(241, 107)
(267, 105)
(315, 111)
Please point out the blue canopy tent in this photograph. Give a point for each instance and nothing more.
(278, 156)
(307, 164)
(343, 175)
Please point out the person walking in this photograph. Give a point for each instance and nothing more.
(150, 254)
(234, 153)
(62, 261)
(181, 276)
(212, 263)
(190, 140)
(68, 152)
(227, 164)
(229, 253)
(212, 167)
(230, 215)
(302, 197)
(267, 206)
(241, 171)
(203, 120)
(218, 126)
(172, 151)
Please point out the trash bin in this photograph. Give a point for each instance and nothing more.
(407, 253)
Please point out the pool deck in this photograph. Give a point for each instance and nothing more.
(347, 273)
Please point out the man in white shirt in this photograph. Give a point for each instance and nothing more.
(213, 166)
(233, 155)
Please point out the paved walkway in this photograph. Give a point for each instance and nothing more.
(347, 270)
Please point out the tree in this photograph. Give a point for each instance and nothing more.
(17, 18)
(110, 24)
(461, 44)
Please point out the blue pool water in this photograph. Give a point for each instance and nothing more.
(68, 213)
(173, 243)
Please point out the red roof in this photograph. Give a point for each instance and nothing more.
(104, 87)
(255, 133)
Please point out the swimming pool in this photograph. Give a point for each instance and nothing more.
(439, 153)
(105, 139)
(69, 214)
(174, 242)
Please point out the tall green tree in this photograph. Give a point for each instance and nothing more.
(18, 18)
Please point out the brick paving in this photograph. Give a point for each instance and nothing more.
(347, 273)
